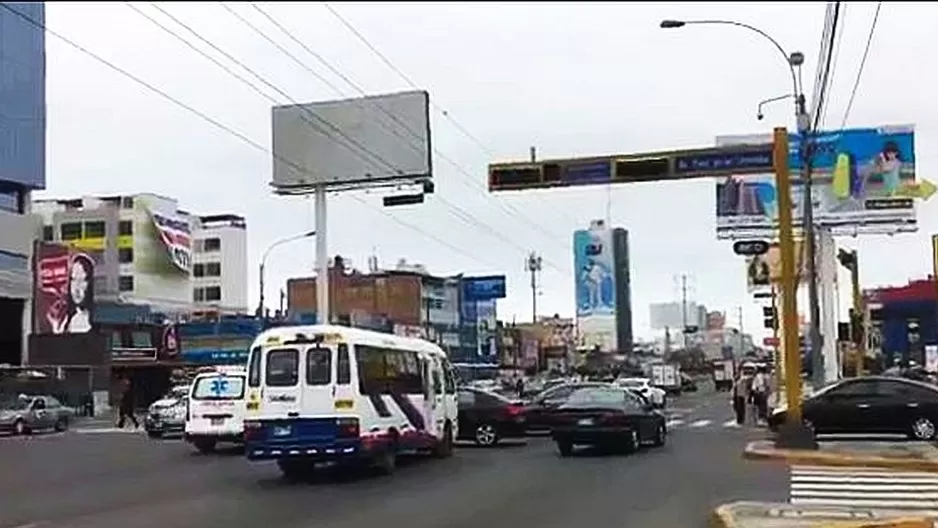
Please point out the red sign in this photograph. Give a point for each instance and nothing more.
(770, 341)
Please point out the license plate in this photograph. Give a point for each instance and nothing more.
(585, 421)
(217, 421)
(281, 431)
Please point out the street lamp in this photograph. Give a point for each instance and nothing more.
(260, 303)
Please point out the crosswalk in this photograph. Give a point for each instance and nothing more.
(704, 423)
(886, 489)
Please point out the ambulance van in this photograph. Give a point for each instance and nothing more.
(216, 407)
(345, 397)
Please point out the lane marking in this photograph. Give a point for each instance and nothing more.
(700, 423)
(106, 430)
(673, 423)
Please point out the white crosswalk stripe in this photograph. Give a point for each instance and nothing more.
(105, 430)
(915, 492)
(699, 423)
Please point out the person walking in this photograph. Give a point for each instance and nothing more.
(126, 407)
(740, 397)
(760, 395)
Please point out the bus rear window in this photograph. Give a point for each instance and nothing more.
(218, 388)
(318, 366)
(283, 367)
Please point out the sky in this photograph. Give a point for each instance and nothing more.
(571, 79)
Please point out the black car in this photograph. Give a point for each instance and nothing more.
(606, 417)
(537, 411)
(871, 405)
(486, 417)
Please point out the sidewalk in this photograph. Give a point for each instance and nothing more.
(899, 456)
(780, 515)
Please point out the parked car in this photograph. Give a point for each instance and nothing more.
(608, 417)
(168, 414)
(29, 414)
(642, 387)
(537, 410)
(486, 417)
(870, 405)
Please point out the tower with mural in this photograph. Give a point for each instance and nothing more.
(603, 288)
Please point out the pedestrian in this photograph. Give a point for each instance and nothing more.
(760, 394)
(126, 408)
(519, 386)
(740, 397)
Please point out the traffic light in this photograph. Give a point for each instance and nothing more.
(770, 317)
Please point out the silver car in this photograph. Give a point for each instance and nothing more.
(27, 414)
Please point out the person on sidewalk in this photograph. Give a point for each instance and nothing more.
(740, 398)
(127, 405)
(760, 395)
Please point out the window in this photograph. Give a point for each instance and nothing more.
(211, 244)
(466, 398)
(125, 255)
(198, 295)
(343, 369)
(318, 366)
(125, 228)
(213, 269)
(141, 339)
(198, 270)
(853, 388)
(70, 231)
(490, 399)
(437, 378)
(95, 229)
(218, 387)
(254, 368)
(39, 404)
(283, 367)
(385, 370)
(213, 294)
(450, 380)
(48, 234)
(125, 283)
(127, 202)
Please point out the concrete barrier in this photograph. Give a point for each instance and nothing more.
(769, 515)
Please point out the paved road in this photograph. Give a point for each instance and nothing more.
(114, 480)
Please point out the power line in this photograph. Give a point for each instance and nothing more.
(822, 79)
(866, 54)
(211, 120)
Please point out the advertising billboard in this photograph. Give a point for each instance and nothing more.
(362, 142)
(595, 284)
(763, 271)
(64, 296)
(863, 178)
(483, 288)
(23, 95)
(673, 315)
(162, 246)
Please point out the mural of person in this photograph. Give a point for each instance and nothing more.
(79, 296)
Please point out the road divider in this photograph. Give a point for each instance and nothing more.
(904, 456)
(783, 515)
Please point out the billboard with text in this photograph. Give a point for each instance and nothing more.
(862, 177)
(64, 296)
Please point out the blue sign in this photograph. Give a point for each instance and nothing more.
(23, 95)
(586, 173)
(483, 288)
(748, 161)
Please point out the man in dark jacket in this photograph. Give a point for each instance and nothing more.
(127, 406)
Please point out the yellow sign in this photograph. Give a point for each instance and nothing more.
(921, 189)
(344, 404)
(99, 243)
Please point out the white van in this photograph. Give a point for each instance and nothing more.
(216, 407)
(327, 393)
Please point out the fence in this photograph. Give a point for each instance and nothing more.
(70, 385)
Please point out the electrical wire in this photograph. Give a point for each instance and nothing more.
(214, 122)
(822, 86)
(836, 51)
(859, 76)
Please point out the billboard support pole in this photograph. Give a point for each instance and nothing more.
(322, 258)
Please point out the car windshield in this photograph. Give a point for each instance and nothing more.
(18, 404)
(219, 388)
(595, 396)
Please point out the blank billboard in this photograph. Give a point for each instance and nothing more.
(363, 142)
(672, 315)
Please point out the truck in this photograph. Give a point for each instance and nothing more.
(667, 377)
(724, 372)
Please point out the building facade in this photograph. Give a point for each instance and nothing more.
(220, 264)
(22, 167)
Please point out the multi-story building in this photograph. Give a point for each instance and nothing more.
(22, 166)
(220, 264)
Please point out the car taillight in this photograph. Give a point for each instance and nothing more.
(252, 429)
(347, 427)
(514, 410)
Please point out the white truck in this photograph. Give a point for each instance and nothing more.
(724, 373)
(667, 377)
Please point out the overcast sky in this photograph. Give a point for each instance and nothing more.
(574, 80)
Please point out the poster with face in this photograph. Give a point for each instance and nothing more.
(64, 297)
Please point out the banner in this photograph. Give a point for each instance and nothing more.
(175, 235)
(861, 177)
(64, 296)
(763, 271)
(594, 268)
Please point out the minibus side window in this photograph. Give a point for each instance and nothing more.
(254, 368)
(283, 367)
(318, 366)
(343, 369)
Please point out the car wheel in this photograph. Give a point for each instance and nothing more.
(922, 429)
(633, 442)
(19, 428)
(486, 435)
(661, 436)
(565, 448)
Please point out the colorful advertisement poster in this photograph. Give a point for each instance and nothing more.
(175, 235)
(594, 268)
(861, 178)
(64, 297)
(162, 247)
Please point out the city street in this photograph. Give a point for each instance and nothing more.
(114, 479)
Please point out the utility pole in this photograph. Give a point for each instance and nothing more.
(683, 302)
(533, 265)
(739, 315)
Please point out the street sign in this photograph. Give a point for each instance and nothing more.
(750, 248)
(763, 295)
(729, 162)
(770, 341)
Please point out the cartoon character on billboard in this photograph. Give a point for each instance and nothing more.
(596, 277)
(72, 314)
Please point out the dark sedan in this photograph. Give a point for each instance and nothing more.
(537, 411)
(606, 417)
(486, 417)
(871, 405)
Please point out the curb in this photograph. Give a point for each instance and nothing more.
(819, 458)
(722, 517)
